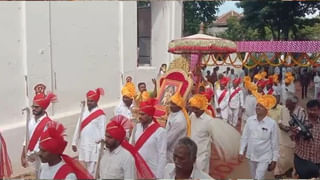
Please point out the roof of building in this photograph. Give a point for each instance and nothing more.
(222, 20)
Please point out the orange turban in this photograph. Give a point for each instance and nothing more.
(289, 79)
(224, 81)
(267, 101)
(95, 95)
(116, 130)
(258, 76)
(247, 79)
(148, 106)
(263, 74)
(44, 100)
(128, 90)
(145, 96)
(179, 101)
(199, 101)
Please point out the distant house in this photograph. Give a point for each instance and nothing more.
(220, 25)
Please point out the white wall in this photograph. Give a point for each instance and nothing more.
(73, 47)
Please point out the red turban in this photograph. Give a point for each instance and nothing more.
(237, 81)
(52, 140)
(148, 106)
(116, 130)
(208, 93)
(43, 101)
(224, 81)
(123, 121)
(269, 81)
(261, 83)
(95, 95)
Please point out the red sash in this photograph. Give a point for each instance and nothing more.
(234, 93)
(145, 136)
(91, 117)
(223, 94)
(270, 92)
(63, 171)
(37, 133)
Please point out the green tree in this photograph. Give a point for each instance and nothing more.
(196, 12)
(282, 18)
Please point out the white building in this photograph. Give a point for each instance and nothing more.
(73, 47)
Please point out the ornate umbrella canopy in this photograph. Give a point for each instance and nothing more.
(201, 44)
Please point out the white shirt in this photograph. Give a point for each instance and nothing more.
(261, 139)
(277, 70)
(118, 164)
(48, 172)
(32, 125)
(170, 173)
(90, 135)
(154, 150)
(277, 89)
(122, 109)
(250, 104)
(224, 102)
(316, 81)
(286, 90)
(237, 100)
(201, 133)
(176, 129)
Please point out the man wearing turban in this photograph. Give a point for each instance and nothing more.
(206, 130)
(221, 99)
(124, 108)
(178, 124)
(90, 130)
(57, 165)
(260, 138)
(288, 87)
(120, 160)
(235, 103)
(149, 139)
(261, 84)
(36, 126)
(208, 93)
(269, 87)
(250, 103)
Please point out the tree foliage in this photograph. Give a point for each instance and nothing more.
(196, 12)
(284, 19)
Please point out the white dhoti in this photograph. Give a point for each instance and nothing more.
(203, 162)
(224, 113)
(233, 116)
(258, 169)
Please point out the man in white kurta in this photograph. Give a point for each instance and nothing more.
(87, 136)
(154, 148)
(235, 103)
(287, 89)
(250, 104)
(260, 139)
(201, 133)
(36, 126)
(221, 99)
(49, 172)
(126, 103)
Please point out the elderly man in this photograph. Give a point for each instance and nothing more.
(149, 139)
(294, 108)
(56, 164)
(178, 125)
(260, 138)
(284, 166)
(90, 131)
(36, 127)
(307, 151)
(184, 167)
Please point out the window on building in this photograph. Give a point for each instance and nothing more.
(144, 32)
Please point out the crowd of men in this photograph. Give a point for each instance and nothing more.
(132, 144)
